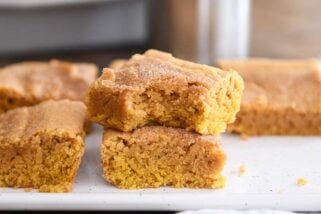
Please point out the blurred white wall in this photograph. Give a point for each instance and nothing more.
(286, 29)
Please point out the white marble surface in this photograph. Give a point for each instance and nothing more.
(273, 166)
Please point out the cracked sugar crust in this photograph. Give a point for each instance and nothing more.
(41, 146)
(154, 66)
(58, 117)
(28, 83)
(157, 88)
(155, 156)
(280, 83)
(280, 96)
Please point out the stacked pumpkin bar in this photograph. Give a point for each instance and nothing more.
(162, 117)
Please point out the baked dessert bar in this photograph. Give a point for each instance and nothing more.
(29, 83)
(281, 97)
(157, 88)
(41, 146)
(154, 156)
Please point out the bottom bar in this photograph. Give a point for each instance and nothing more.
(157, 156)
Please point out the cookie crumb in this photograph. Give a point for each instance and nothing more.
(27, 189)
(232, 172)
(244, 137)
(302, 182)
(242, 170)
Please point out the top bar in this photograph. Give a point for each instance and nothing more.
(157, 88)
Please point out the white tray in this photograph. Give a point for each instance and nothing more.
(273, 166)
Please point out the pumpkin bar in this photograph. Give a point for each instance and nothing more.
(155, 156)
(281, 97)
(29, 83)
(156, 88)
(41, 146)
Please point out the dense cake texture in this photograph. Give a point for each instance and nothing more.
(157, 88)
(41, 146)
(29, 83)
(155, 156)
(281, 97)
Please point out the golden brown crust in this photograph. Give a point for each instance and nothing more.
(157, 156)
(156, 66)
(49, 116)
(29, 83)
(280, 96)
(41, 146)
(156, 87)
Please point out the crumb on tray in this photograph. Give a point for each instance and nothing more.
(302, 182)
(27, 189)
(242, 170)
(244, 137)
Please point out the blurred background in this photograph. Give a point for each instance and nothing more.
(199, 30)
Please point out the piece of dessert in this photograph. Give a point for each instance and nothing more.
(41, 146)
(281, 97)
(155, 156)
(157, 88)
(29, 83)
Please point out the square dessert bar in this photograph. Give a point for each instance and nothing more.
(157, 88)
(281, 97)
(41, 146)
(29, 83)
(155, 156)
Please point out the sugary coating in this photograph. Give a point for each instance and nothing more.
(157, 88)
(29, 83)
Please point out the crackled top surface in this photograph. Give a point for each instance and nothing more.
(156, 66)
(48, 80)
(153, 133)
(279, 83)
(51, 116)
